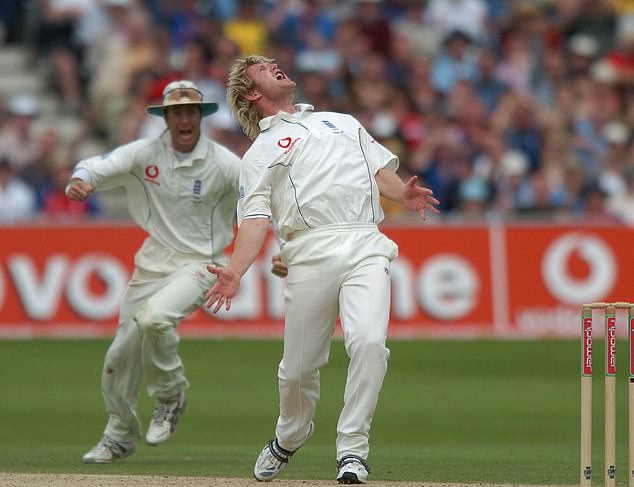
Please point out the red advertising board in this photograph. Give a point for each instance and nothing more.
(448, 281)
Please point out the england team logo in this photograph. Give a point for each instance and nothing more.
(196, 192)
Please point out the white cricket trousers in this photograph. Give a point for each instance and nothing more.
(165, 288)
(334, 271)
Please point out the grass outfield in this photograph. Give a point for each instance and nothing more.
(460, 412)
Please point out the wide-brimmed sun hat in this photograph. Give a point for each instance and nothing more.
(182, 92)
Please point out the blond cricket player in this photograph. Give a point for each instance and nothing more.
(318, 175)
(182, 189)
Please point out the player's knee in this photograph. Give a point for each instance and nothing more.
(149, 319)
(296, 375)
(370, 348)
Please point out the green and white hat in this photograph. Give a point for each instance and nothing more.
(182, 92)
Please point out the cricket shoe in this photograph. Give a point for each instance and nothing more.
(352, 470)
(273, 459)
(107, 451)
(164, 419)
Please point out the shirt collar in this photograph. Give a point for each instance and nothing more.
(267, 122)
(199, 152)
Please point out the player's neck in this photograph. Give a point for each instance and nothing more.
(269, 108)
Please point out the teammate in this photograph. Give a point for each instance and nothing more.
(182, 189)
(318, 175)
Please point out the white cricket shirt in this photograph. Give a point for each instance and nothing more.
(188, 206)
(310, 169)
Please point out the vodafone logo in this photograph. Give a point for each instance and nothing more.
(448, 287)
(587, 346)
(611, 347)
(579, 268)
(40, 291)
(287, 143)
(151, 173)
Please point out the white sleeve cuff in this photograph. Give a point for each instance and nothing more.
(82, 174)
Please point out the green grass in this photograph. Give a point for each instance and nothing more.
(460, 412)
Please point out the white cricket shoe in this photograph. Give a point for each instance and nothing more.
(164, 419)
(352, 470)
(107, 451)
(273, 459)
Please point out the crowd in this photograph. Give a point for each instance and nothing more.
(504, 108)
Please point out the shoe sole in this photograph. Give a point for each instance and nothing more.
(105, 462)
(159, 443)
(349, 478)
(96, 462)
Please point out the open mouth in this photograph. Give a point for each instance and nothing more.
(279, 75)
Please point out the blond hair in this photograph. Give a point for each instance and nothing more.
(238, 87)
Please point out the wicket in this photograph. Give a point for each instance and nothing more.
(609, 310)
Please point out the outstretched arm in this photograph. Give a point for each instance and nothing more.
(412, 196)
(249, 241)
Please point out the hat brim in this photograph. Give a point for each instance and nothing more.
(207, 108)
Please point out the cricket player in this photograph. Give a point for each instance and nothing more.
(318, 175)
(182, 189)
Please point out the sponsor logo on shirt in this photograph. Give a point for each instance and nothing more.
(332, 126)
(151, 173)
(287, 143)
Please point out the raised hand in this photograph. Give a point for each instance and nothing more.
(418, 198)
(224, 289)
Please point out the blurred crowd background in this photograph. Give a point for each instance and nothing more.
(507, 109)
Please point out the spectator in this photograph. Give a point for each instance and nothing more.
(520, 126)
(456, 61)
(594, 208)
(488, 87)
(410, 27)
(57, 40)
(621, 58)
(10, 21)
(594, 18)
(535, 196)
(548, 77)
(17, 199)
(183, 19)
(17, 141)
(55, 205)
(621, 206)
(247, 29)
(37, 174)
(569, 185)
(611, 179)
(512, 168)
(473, 196)
(518, 62)
(371, 88)
(305, 27)
(583, 50)
(124, 56)
(468, 16)
(374, 27)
